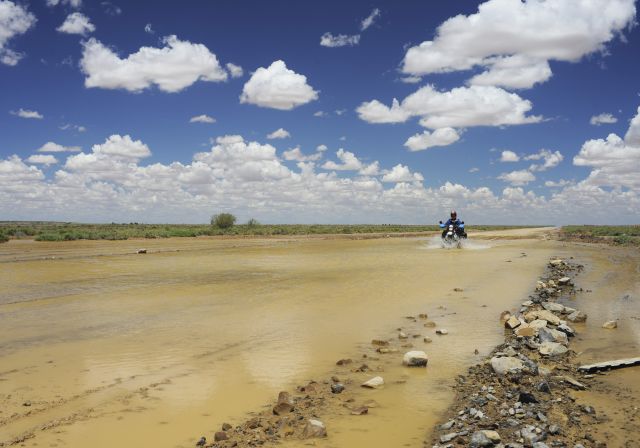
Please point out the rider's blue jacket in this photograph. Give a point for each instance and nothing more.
(455, 222)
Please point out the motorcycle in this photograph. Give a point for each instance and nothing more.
(453, 235)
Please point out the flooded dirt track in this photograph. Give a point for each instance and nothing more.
(104, 346)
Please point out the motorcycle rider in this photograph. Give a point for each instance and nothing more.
(456, 224)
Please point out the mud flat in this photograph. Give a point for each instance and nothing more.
(115, 348)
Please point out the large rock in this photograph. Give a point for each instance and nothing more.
(551, 335)
(610, 325)
(284, 404)
(415, 358)
(506, 364)
(566, 329)
(553, 307)
(548, 316)
(374, 383)
(314, 429)
(577, 316)
(512, 322)
(484, 438)
(564, 281)
(552, 349)
(538, 324)
(526, 331)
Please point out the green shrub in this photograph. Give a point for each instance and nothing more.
(223, 220)
(252, 223)
(3, 238)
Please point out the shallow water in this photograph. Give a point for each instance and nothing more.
(119, 349)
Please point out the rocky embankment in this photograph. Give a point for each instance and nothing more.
(522, 395)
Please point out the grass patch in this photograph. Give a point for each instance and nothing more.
(617, 235)
(58, 231)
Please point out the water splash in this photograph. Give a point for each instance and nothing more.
(435, 242)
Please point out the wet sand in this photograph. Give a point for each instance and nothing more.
(116, 349)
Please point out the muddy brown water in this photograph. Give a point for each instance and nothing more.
(100, 345)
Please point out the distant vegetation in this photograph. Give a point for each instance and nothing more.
(620, 235)
(3, 238)
(223, 220)
(56, 231)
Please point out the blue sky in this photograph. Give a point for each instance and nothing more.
(99, 104)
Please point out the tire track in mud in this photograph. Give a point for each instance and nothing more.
(59, 412)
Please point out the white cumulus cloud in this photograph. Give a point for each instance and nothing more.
(297, 155)
(72, 3)
(172, 68)
(42, 159)
(279, 133)
(402, 173)
(348, 162)
(204, 118)
(551, 160)
(339, 40)
(615, 162)
(459, 107)
(26, 113)
(234, 70)
(603, 118)
(123, 147)
(14, 20)
(277, 87)
(77, 23)
(55, 147)
(514, 40)
(518, 178)
(509, 156)
(439, 137)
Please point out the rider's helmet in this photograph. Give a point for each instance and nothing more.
(454, 215)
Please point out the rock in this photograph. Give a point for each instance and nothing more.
(548, 316)
(362, 410)
(446, 426)
(442, 331)
(429, 324)
(554, 429)
(337, 388)
(458, 289)
(505, 316)
(226, 426)
(402, 335)
(202, 441)
(342, 362)
(314, 429)
(577, 316)
(423, 316)
(564, 281)
(506, 364)
(374, 383)
(448, 437)
(525, 331)
(566, 329)
(551, 335)
(484, 438)
(543, 386)
(141, 251)
(572, 381)
(540, 445)
(284, 404)
(526, 398)
(556, 262)
(220, 436)
(509, 351)
(538, 324)
(415, 358)
(552, 349)
(379, 342)
(610, 325)
(427, 339)
(387, 350)
(553, 307)
(529, 435)
(512, 322)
